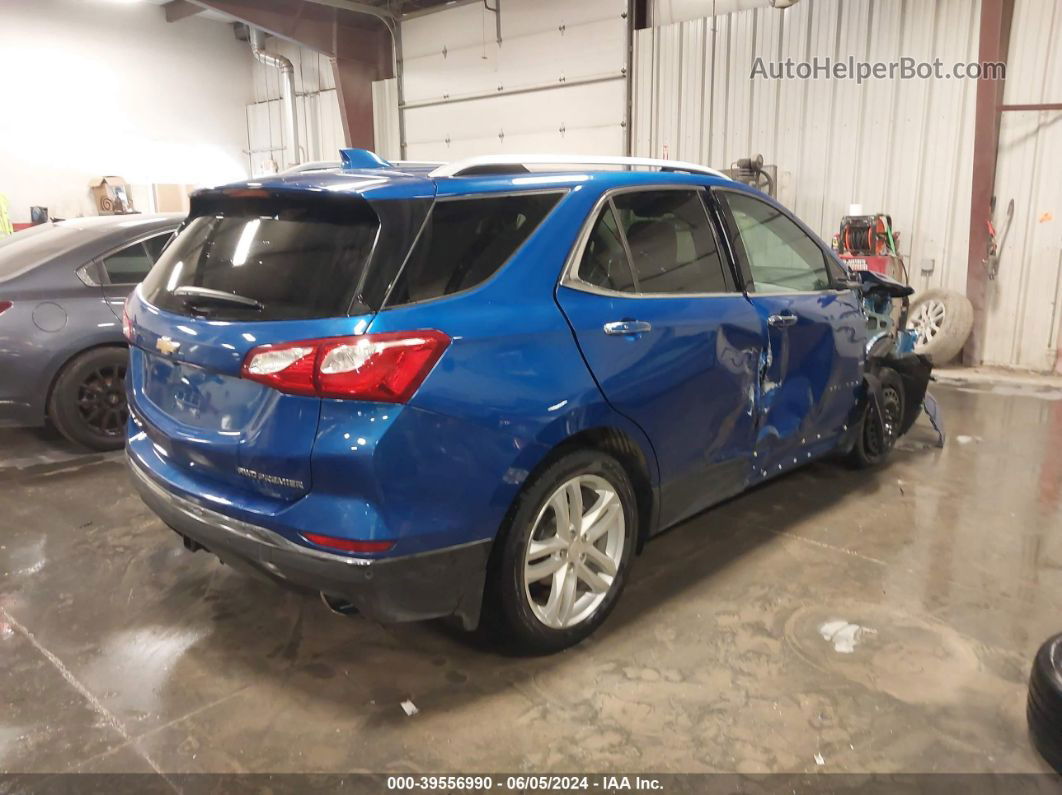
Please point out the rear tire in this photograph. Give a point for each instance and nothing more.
(1044, 710)
(874, 442)
(552, 583)
(87, 404)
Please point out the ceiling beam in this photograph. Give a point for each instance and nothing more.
(179, 9)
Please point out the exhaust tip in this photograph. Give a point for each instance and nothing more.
(338, 605)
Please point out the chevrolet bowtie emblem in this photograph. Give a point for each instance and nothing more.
(166, 345)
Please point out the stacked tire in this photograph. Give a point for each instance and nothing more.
(1044, 711)
(942, 320)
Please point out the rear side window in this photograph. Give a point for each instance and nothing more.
(155, 245)
(297, 258)
(673, 248)
(132, 263)
(465, 241)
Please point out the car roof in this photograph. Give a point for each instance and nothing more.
(365, 174)
(108, 223)
(77, 237)
(407, 182)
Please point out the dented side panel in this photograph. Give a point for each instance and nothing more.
(688, 382)
(810, 374)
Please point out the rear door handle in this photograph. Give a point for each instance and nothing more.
(782, 321)
(628, 327)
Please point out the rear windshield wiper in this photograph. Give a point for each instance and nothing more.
(202, 295)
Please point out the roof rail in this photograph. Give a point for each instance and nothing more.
(459, 167)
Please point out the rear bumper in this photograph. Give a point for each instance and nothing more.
(411, 588)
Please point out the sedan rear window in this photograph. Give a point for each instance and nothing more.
(291, 259)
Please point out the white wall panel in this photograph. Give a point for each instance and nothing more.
(1024, 311)
(902, 147)
(385, 123)
(451, 55)
(320, 125)
(97, 88)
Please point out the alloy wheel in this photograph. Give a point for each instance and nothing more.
(101, 400)
(574, 551)
(928, 320)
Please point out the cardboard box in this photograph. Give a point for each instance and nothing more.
(111, 196)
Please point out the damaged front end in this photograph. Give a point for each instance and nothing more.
(890, 353)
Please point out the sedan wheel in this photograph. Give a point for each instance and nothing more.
(101, 400)
(87, 403)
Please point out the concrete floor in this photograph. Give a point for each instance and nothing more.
(731, 649)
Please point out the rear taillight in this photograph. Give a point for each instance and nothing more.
(4, 306)
(387, 367)
(347, 544)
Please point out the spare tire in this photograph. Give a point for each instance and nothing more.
(942, 320)
(1044, 710)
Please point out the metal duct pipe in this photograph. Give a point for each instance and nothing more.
(287, 78)
(664, 12)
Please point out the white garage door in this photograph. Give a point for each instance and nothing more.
(555, 84)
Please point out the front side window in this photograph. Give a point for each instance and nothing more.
(781, 257)
(466, 241)
(672, 246)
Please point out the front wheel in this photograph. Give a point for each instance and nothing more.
(564, 555)
(878, 433)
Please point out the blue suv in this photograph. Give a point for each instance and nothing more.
(476, 389)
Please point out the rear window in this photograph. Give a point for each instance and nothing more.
(297, 258)
(465, 241)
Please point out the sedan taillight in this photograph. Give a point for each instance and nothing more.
(387, 367)
(4, 306)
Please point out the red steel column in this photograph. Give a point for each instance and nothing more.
(996, 16)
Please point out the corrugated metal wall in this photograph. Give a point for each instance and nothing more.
(902, 147)
(899, 146)
(1024, 311)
